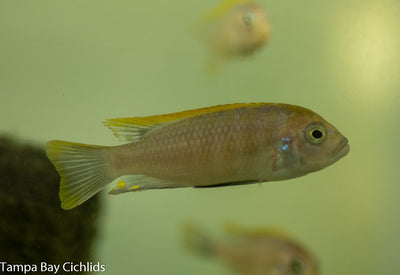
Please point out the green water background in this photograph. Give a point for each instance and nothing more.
(65, 66)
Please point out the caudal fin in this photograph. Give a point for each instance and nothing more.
(198, 241)
(83, 170)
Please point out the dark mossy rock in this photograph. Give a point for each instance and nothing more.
(33, 227)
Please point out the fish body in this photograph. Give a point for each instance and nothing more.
(235, 28)
(234, 143)
(267, 252)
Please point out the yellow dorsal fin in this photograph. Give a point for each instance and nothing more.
(222, 8)
(133, 128)
(238, 230)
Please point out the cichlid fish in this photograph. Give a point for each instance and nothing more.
(254, 251)
(234, 28)
(226, 144)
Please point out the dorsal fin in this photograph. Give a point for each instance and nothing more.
(222, 8)
(259, 232)
(125, 130)
(134, 128)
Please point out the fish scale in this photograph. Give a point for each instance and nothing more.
(209, 150)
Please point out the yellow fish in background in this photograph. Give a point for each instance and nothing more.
(226, 144)
(254, 251)
(234, 28)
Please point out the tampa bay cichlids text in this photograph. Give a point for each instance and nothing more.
(52, 268)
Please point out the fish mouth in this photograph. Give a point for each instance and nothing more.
(342, 149)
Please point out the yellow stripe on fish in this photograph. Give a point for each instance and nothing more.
(258, 232)
(213, 146)
(131, 128)
(222, 8)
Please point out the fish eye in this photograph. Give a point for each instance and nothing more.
(315, 133)
(248, 19)
(297, 266)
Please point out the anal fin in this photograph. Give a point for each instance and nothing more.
(133, 183)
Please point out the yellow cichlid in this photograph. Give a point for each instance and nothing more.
(253, 251)
(235, 28)
(225, 144)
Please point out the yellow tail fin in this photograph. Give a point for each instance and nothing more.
(82, 168)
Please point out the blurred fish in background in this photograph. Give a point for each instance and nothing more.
(253, 251)
(233, 28)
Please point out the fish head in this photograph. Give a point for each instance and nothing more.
(253, 27)
(277, 255)
(311, 142)
(244, 29)
(297, 261)
(291, 257)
